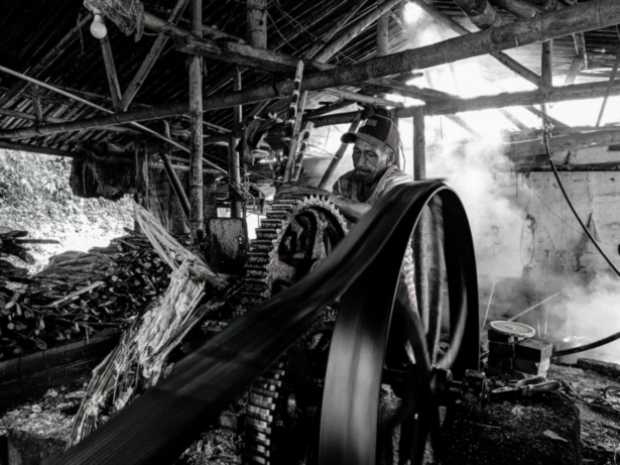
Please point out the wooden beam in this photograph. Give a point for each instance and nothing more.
(355, 30)
(157, 24)
(419, 145)
(230, 51)
(151, 58)
(604, 137)
(256, 20)
(533, 97)
(504, 59)
(110, 71)
(196, 191)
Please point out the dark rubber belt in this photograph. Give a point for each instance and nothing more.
(159, 425)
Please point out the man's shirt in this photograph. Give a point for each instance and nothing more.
(351, 186)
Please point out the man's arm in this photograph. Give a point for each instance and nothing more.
(349, 208)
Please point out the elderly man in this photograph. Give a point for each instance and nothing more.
(375, 162)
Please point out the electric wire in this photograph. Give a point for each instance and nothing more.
(612, 337)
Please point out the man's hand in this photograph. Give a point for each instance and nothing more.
(349, 208)
(296, 189)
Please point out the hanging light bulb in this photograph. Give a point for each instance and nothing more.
(411, 12)
(97, 27)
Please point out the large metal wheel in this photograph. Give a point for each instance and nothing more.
(384, 347)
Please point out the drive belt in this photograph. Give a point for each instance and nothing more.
(158, 426)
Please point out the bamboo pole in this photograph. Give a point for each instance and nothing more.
(419, 145)
(151, 58)
(110, 71)
(234, 171)
(197, 148)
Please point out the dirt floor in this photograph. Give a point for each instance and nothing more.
(45, 425)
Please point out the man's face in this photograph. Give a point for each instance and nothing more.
(369, 159)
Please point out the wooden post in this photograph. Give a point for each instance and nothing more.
(174, 180)
(234, 170)
(420, 237)
(36, 103)
(546, 65)
(338, 155)
(419, 145)
(197, 147)
(383, 35)
(110, 71)
(257, 22)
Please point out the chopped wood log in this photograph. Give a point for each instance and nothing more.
(605, 368)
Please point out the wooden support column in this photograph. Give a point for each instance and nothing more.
(383, 35)
(420, 235)
(257, 22)
(234, 169)
(36, 103)
(110, 71)
(338, 155)
(419, 145)
(174, 180)
(197, 146)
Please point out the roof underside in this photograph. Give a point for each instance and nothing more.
(32, 30)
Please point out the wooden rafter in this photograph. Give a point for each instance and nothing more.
(595, 14)
(151, 58)
(110, 71)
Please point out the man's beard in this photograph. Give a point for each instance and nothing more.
(363, 175)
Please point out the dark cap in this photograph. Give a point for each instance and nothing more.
(379, 127)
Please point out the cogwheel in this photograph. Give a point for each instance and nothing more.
(297, 233)
(282, 421)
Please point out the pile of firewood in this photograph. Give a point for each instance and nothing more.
(79, 294)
